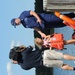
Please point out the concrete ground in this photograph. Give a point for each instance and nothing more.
(67, 31)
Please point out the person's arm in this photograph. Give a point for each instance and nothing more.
(32, 13)
(39, 31)
(48, 36)
(38, 20)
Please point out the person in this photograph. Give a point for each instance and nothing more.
(55, 40)
(28, 58)
(37, 21)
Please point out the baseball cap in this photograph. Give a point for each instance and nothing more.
(13, 22)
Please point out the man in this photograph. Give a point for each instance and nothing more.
(30, 19)
(28, 58)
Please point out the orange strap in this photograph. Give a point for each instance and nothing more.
(70, 21)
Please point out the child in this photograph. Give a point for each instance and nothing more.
(55, 41)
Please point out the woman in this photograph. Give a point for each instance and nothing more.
(28, 58)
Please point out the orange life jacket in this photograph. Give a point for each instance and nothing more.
(57, 41)
(68, 21)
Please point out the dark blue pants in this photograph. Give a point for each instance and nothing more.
(56, 22)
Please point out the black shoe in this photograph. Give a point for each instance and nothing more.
(73, 35)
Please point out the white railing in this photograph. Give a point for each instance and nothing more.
(60, 5)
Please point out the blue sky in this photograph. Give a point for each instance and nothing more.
(9, 10)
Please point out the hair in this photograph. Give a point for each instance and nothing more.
(15, 53)
(39, 45)
(19, 49)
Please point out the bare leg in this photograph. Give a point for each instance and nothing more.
(72, 41)
(68, 57)
(67, 67)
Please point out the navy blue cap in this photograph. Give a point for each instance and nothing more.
(13, 22)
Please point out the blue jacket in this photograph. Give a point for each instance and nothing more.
(31, 59)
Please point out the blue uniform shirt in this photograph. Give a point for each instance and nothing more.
(48, 20)
(29, 21)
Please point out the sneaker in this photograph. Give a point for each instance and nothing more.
(73, 35)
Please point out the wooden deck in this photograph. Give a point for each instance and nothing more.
(67, 32)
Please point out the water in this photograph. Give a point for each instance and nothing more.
(67, 31)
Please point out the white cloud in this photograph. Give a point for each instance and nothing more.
(12, 44)
(9, 68)
(18, 43)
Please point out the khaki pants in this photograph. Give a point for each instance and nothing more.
(52, 58)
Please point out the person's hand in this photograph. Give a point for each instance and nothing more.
(43, 35)
(39, 21)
